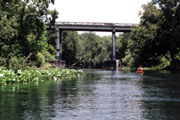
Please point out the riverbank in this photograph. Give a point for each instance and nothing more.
(30, 75)
(132, 69)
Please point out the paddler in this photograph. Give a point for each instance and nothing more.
(140, 68)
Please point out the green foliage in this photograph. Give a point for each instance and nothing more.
(164, 63)
(155, 42)
(121, 45)
(128, 60)
(168, 33)
(14, 63)
(92, 50)
(142, 45)
(22, 28)
(151, 14)
(85, 50)
(48, 56)
(69, 44)
(17, 63)
(9, 76)
(40, 60)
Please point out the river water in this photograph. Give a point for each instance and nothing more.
(100, 95)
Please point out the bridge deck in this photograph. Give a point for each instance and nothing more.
(95, 26)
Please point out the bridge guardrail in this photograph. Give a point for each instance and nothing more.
(97, 24)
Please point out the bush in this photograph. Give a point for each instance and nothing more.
(48, 56)
(51, 50)
(2, 61)
(128, 60)
(13, 63)
(40, 60)
(17, 63)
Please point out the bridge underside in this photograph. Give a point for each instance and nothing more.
(103, 27)
(96, 29)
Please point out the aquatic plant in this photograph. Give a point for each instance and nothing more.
(10, 76)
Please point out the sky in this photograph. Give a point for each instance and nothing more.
(109, 11)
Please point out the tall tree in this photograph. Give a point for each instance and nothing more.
(121, 45)
(69, 44)
(9, 30)
(22, 28)
(169, 31)
(142, 46)
(92, 50)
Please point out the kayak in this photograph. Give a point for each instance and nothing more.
(140, 71)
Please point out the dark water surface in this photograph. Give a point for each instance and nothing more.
(101, 95)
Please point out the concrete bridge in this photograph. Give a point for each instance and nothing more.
(90, 26)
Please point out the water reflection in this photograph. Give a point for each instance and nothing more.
(161, 98)
(26, 101)
(100, 95)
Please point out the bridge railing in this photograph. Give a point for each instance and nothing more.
(96, 24)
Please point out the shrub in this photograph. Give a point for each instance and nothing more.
(48, 56)
(40, 60)
(13, 63)
(17, 63)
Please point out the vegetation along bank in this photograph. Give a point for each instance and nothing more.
(10, 76)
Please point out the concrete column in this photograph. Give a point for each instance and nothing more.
(58, 44)
(113, 45)
(117, 64)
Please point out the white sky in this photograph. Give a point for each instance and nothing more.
(113, 11)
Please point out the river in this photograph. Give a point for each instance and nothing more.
(100, 95)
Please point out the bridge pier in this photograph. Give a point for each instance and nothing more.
(113, 45)
(58, 44)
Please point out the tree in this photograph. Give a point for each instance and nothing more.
(32, 29)
(22, 29)
(69, 44)
(142, 45)
(92, 50)
(169, 31)
(121, 45)
(8, 30)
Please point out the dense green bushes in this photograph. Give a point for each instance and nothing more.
(23, 32)
(155, 42)
(40, 60)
